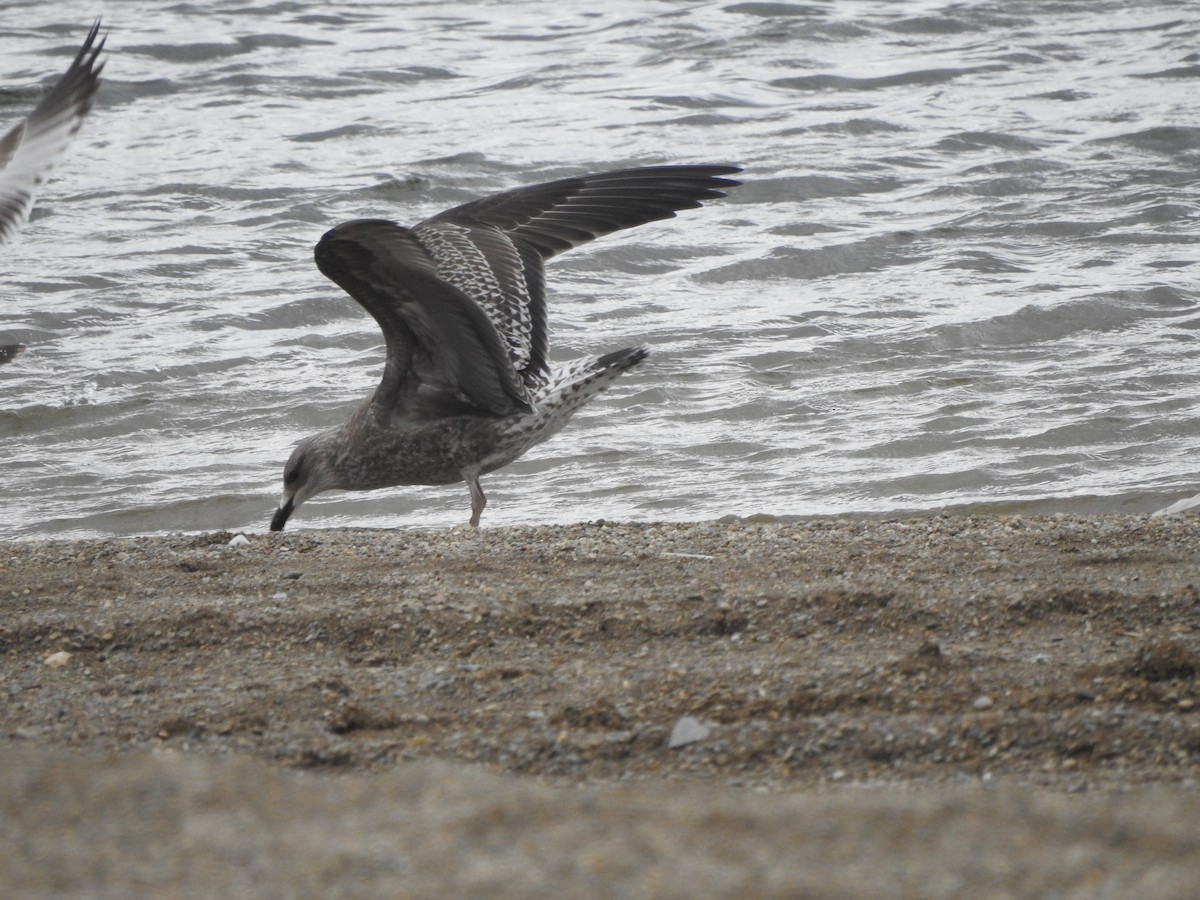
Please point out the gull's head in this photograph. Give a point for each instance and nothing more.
(308, 472)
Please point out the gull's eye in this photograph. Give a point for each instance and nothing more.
(292, 476)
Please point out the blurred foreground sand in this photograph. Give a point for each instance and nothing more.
(953, 705)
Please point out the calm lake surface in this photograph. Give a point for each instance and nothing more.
(961, 270)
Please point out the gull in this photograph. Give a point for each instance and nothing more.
(29, 151)
(467, 387)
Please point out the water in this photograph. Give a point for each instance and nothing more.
(961, 271)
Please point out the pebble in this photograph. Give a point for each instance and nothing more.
(688, 730)
(239, 540)
(58, 660)
(984, 702)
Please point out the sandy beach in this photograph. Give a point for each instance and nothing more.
(938, 706)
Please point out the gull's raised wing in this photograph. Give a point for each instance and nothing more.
(492, 249)
(29, 151)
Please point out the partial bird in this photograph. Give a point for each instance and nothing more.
(467, 386)
(29, 151)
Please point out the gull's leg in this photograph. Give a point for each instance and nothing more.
(478, 501)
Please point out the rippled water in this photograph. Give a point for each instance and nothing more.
(961, 269)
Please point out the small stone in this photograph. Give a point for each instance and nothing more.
(688, 730)
(984, 702)
(57, 660)
(239, 540)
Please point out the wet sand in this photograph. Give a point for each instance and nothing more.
(939, 706)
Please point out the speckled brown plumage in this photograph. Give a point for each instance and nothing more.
(460, 298)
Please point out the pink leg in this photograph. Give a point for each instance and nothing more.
(478, 501)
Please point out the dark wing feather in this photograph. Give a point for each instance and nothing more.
(484, 264)
(493, 248)
(443, 354)
(30, 149)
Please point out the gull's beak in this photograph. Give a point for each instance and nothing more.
(281, 515)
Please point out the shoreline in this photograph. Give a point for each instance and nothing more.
(963, 668)
(1168, 504)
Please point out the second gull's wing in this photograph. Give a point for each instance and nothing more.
(29, 151)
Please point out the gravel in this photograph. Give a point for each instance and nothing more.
(927, 706)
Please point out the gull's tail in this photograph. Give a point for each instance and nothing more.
(568, 389)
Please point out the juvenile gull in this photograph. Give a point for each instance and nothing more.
(461, 301)
(29, 151)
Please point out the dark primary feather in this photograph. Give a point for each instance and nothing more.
(461, 296)
(30, 148)
(559, 215)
